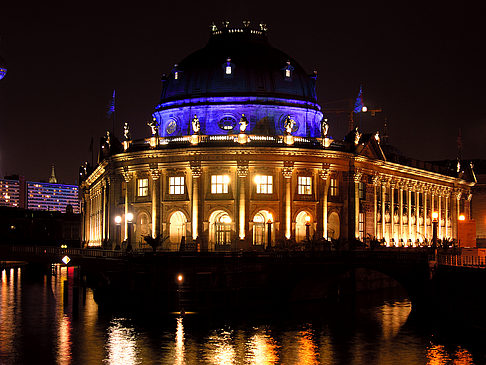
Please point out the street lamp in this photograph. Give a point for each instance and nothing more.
(435, 221)
(269, 231)
(307, 228)
(462, 217)
(118, 220)
(129, 218)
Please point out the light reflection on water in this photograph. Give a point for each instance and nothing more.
(76, 333)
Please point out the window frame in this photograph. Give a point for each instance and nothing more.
(304, 185)
(264, 188)
(142, 190)
(172, 186)
(215, 185)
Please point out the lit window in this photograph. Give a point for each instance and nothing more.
(287, 73)
(142, 187)
(304, 185)
(219, 184)
(264, 184)
(362, 190)
(176, 185)
(228, 70)
(176, 75)
(333, 187)
(361, 226)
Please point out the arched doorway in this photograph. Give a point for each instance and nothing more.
(220, 230)
(142, 229)
(177, 229)
(260, 228)
(333, 226)
(303, 220)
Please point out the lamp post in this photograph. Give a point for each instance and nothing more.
(269, 232)
(118, 220)
(307, 228)
(435, 221)
(129, 218)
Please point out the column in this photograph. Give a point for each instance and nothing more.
(417, 214)
(383, 224)
(439, 200)
(409, 212)
(242, 172)
(357, 179)
(127, 176)
(425, 212)
(446, 212)
(196, 171)
(155, 174)
(287, 174)
(376, 181)
(400, 199)
(392, 210)
(324, 175)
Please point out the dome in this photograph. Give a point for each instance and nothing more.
(258, 69)
(238, 75)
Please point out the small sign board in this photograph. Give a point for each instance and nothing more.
(66, 260)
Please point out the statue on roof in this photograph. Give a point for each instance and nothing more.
(196, 126)
(357, 136)
(126, 132)
(107, 139)
(324, 127)
(289, 125)
(243, 123)
(154, 127)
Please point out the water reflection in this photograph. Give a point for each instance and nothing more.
(179, 342)
(262, 348)
(67, 335)
(392, 316)
(220, 348)
(121, 344)
(438, 355)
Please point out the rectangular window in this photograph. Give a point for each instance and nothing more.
(176, 185)
(333, 187)
(362, 190)
(361, 226)
(287, 73)
(228, 70)
(264, 184)
(219, 184)
(304, 185)
(142, 188)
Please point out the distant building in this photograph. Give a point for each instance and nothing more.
(17, 193)
(239, 158)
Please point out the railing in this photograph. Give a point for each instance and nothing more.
(462, 260)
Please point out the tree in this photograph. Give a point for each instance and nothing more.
(155, 242)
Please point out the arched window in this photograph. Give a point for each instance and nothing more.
(302, 224)
(223, 230)
(333, 226)
(261, 226)
(177, 228)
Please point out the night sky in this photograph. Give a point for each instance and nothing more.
(423, 66)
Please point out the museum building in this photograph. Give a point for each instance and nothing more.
(239, 158)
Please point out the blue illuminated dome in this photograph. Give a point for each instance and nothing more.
(237, 73)
(3, 68)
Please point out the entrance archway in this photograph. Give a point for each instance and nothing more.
(260, 227)
(301, 221)
(142, 229)
(220, 230)
(177, 229)
(333, 226)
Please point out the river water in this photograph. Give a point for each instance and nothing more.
(40, 324)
